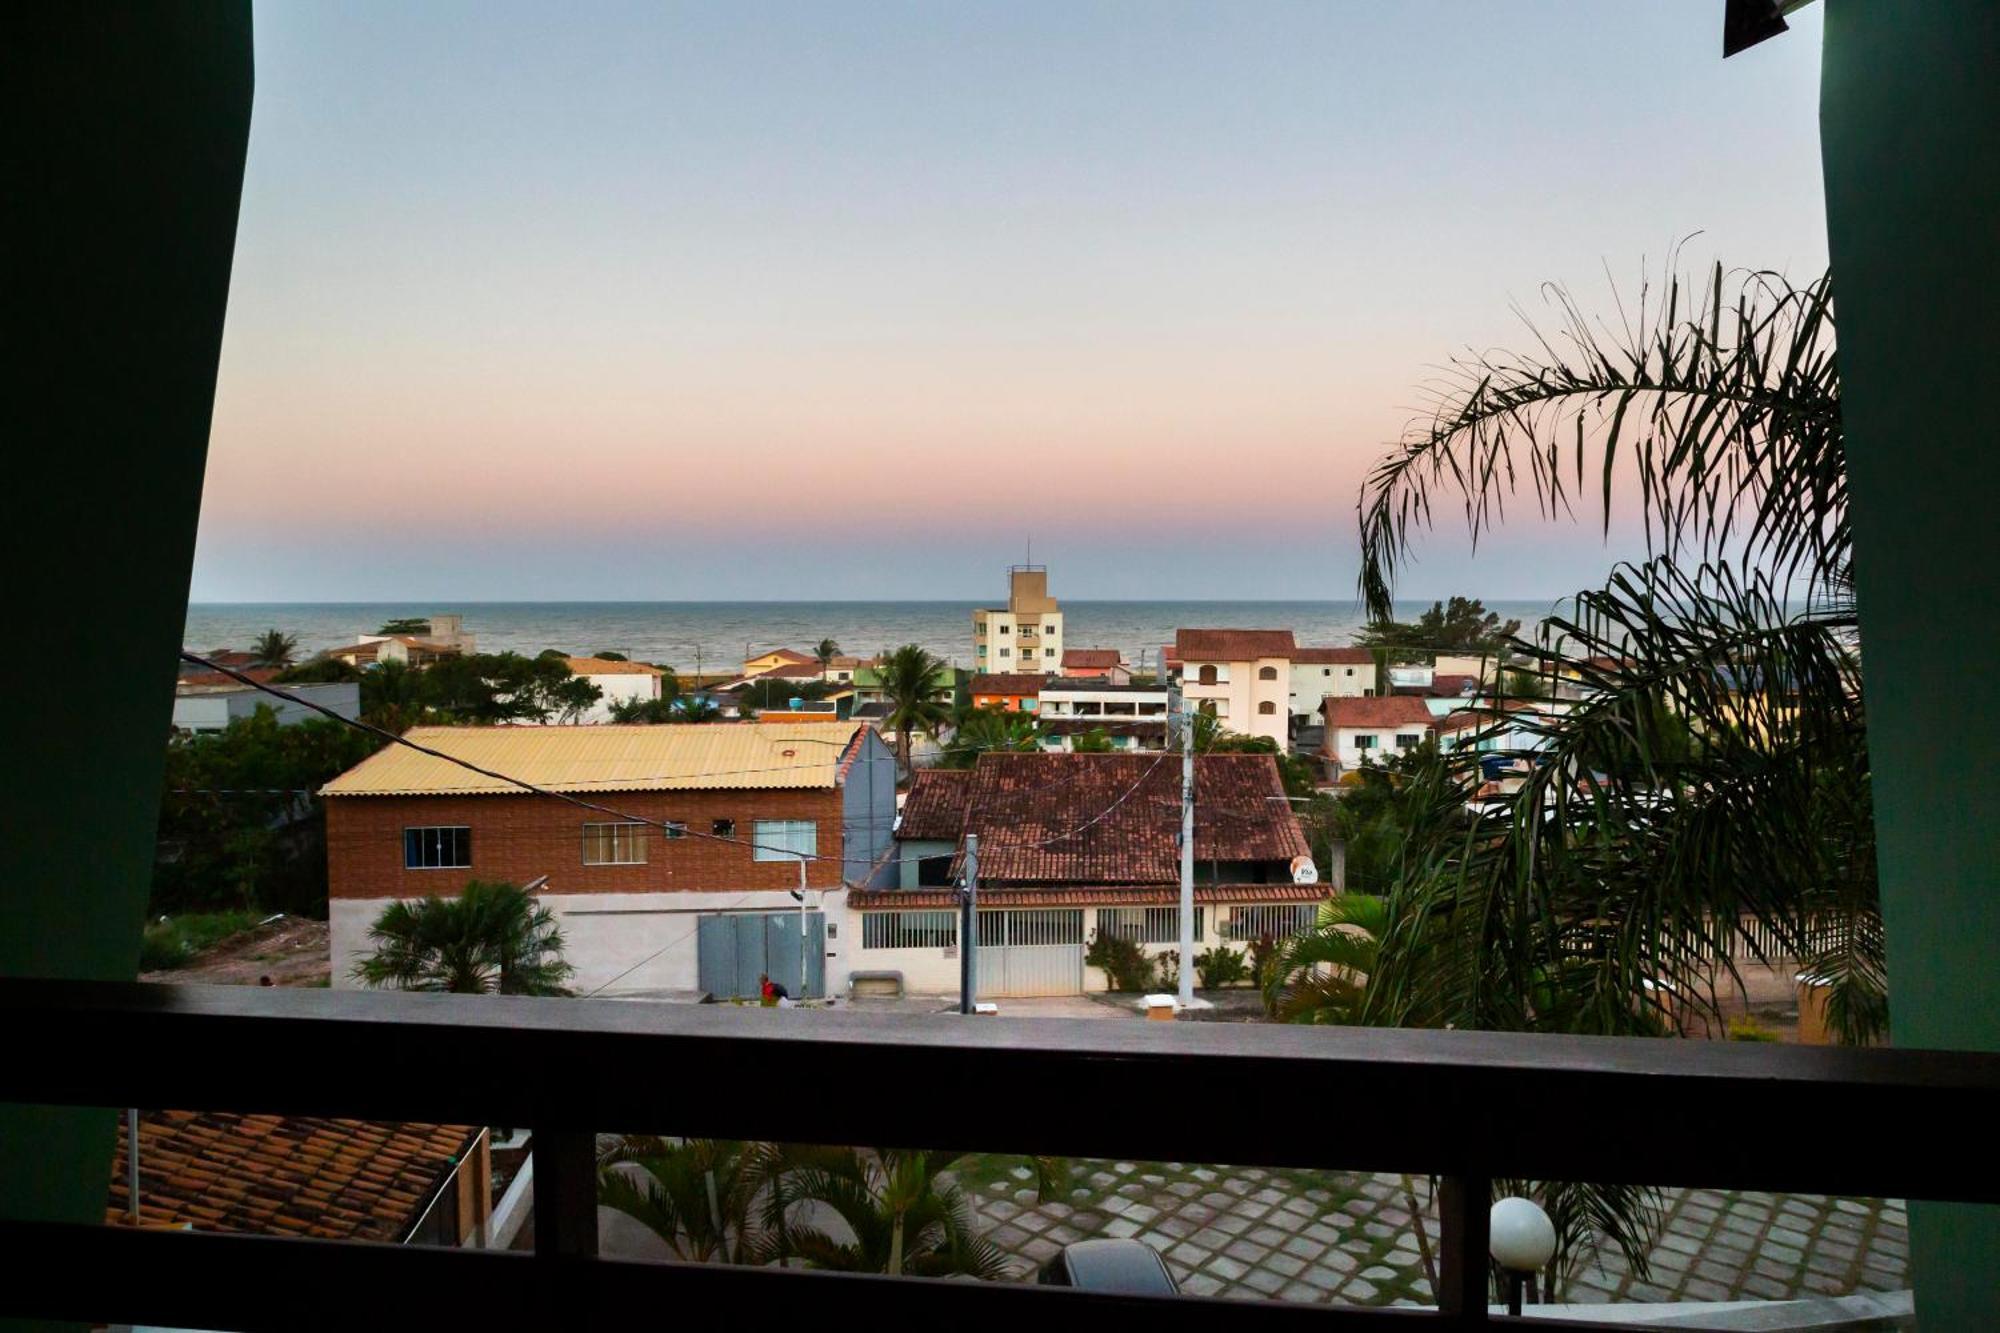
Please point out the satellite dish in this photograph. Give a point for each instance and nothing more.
(1304, 871)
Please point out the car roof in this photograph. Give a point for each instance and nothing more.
(1124, 1266)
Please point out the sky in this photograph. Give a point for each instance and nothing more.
(851, 301)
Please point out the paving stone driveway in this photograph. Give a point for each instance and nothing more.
(1348, 1238)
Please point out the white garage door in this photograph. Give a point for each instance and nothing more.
(1035, 951)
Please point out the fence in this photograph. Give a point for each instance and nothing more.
(909, 930)
(1276, 920)
(1146, 925)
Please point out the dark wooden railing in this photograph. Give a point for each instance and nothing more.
(1467, 1107)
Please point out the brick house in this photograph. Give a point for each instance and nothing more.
(1074, 844)
(643, 908)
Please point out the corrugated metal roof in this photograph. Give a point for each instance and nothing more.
(669, 757)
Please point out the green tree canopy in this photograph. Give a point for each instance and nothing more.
(406, 625)
(275, 648)
(1461, 625)
(909, 679)
(490, 937)
(991, 730)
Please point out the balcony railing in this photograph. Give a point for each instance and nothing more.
(1467, 1107)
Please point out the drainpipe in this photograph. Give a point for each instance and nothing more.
(132, 1164)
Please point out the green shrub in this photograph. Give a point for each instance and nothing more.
(1124, 963)
(1169, 965)
(1745, 1028)
(1221, 966)
(174, 941)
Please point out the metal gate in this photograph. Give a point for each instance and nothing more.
(732, 952)
(1031, 952)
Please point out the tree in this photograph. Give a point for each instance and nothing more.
(490, 938)
(903, 1215)
(609, 656)
(825, 651)
(318, 671)
(1462, 625)
(779, 691)
(991, 730)
(1094, 741)
(909, 680)
(694, 708)
(1715, 770)
(709, 1200)
(1322, 975)
(406, 625)
(274, 648)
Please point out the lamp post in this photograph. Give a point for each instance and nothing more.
(1521, 1240)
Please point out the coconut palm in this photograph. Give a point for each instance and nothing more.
(825, 651)
(909, 679)
(490, 938)
(991, 730)
(1321, 976)
(709, 1200)
(275, 648)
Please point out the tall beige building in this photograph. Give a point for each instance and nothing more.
(1024, 635)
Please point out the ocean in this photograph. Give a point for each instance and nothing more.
(671, 633)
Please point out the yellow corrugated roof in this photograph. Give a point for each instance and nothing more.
(669, 757)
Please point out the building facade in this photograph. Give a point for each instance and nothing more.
(1026, 635)
(714, 824)
(1329, 673)
(1011, 692)
(616, 682)
(1364, 731)
(1241, 676)
(1130, 717)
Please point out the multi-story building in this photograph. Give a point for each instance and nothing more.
(1330, 673)
(1241, 676)
(1130, 717)
(1364, 730)
(1011, 692)
(688, 888)
(1026, 634)
(1095, 664)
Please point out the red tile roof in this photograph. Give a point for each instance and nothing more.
(1334, 656)
(1232, 645)
(806, 670)
(1483, 715)
(934, 811)
(1103, 819)
(1022, 682)
(278, 1175)
(1105, 895)
(1090, 659)
(1392, 711)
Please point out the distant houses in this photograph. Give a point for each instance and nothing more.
(207, 702)
(617, 683)
(1366, 730)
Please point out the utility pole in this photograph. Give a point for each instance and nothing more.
(1177, 711)
(805, 967)
(968, 928)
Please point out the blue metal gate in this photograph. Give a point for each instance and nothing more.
(733, 951)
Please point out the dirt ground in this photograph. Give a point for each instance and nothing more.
(291, 951)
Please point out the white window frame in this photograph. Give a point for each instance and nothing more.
(780, 839)
(627, 848)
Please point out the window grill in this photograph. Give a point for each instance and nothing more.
(909, 930)
(1145, 925)
(1255, 921)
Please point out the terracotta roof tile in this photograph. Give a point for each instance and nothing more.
(1232, 645)
(1021, 682)
(934, 811)
(283, 1174)
(1090, 659)
(1334, 656)
(1390, 711)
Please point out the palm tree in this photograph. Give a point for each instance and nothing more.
(902, 1212)
(825, 651)
(275, 648)
(991, 731)
(490, 938)
(1716, 769)
(909, 680)
(693, 708)
(1322, 975)
(710, 1200)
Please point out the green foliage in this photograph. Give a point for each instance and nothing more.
(1373, 817)
(1221, 966)
(1322, 975)
(491, 937)
(991, 730)
(175, 941)
(1167, 970)
(609, 656)
(1743, 1027)
(1462, 625)
(1122, 961)
(415, 626)
(275, 648)
(480, 688)
(825, 651)
(1093, 741)
(318, 671)
(241, 825)
(777, 695)
(909, 679)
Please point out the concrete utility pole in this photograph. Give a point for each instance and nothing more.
(1177, 708)
(805, 967)
(968, 929)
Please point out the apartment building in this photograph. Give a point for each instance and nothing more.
(1241, 676)
(1026, 635)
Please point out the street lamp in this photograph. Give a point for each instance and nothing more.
(1522, 1240)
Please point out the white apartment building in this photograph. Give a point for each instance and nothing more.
(1241, 676)
(1026, 635)
(1330, 673)
(1130, 718)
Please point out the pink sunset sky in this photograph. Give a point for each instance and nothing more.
(804, 301)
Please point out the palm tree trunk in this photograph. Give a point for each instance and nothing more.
(896, 1247)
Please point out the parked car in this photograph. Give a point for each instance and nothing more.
(1123, 1267)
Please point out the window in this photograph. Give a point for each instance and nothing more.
(614, 844)
(1006, 629)
(784, 839)
(1146, 925)
(439, 848)
(1267, 708)
(1350, 671)
(1364, 742)
(723, 828)
(1407, 740)
(1267, 673)
(979, 627)
(1048, 652)
(1006, 652)
(909, 930)
(1207, 676)
(1328, 671)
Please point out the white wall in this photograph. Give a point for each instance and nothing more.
(604, 934)
(1238, 691)
(1313, 681)
(1340, 743)
(623, 686)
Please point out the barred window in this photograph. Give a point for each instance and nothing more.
(1277, 920)
(444, 847)
(909, 930)
(614, 844)
(1146, 925)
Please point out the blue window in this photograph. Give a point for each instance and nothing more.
(445, 847)
(785, 839)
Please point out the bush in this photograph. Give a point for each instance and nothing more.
(1169, 964)
(174, 941)
(1745, 1028)
(1123, 962)
(1221, 966)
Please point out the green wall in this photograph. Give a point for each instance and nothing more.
(120, 213)
(1910, 142)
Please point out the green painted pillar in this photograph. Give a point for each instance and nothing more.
(128, 127)
(1910, 142)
